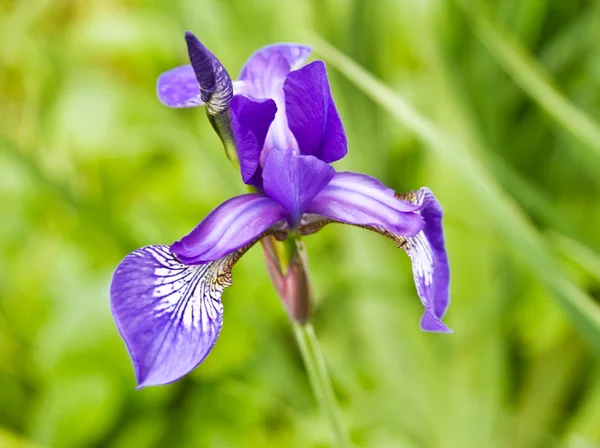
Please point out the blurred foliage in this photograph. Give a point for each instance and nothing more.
(494, 105)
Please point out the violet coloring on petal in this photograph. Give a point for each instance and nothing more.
(285, 131)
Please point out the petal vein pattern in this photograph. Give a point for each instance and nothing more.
(230, 226)
(430, 262)
(169, 314)
(426, 250)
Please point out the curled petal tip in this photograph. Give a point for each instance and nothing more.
(142, 384)
(431, 323)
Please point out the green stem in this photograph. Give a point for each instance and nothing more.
(320, 382)
(295, 292)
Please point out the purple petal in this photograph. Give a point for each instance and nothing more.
(311, 113)
(230, 226)
(294, 181)
(216, 88)
(362, 200)
(169, 314)
(250, 121)
(262, 77)
(427, 251)
(258, 64)
(371, 187)
(417, 228)
(179, 88)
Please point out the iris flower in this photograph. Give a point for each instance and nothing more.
(281, 119)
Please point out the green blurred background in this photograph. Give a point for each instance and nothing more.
(494, 105)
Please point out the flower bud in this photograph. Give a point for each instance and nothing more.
(216, 90)
(294, 287)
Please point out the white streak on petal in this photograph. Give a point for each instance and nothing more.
(169, 314)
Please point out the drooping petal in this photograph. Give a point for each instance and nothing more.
(216, 88)
(169, 314)
(262, 77)
(311, 113)
(230, 226)
(179, 88)
(294, 180)
(362, 200)
(250, 121)
(426, 247)
(427, 250)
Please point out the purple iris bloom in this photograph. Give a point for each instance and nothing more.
(280, 115)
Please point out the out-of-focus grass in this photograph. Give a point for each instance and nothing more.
(92, 166)
(531, 78)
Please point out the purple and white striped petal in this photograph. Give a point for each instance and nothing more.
(250, 121)
(423, 240)
(311, 113)
(427, 250)
(179, 88)
(362, 200)
(169, 314)
(294, 180)
(229, 227)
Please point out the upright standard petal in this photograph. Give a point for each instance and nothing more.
(293, 55)
(230, 226)
(169, 314)
(362, 200)
(250, 121)
(262, 77)
(294, 181)
(179, 88)
(216, 88)
(311, 113)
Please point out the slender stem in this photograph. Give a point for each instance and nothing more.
(320, 382)
(295, 292)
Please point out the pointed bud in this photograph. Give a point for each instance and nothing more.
(298, 297)
(294, 287)
(215, 84)
(216, 91)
